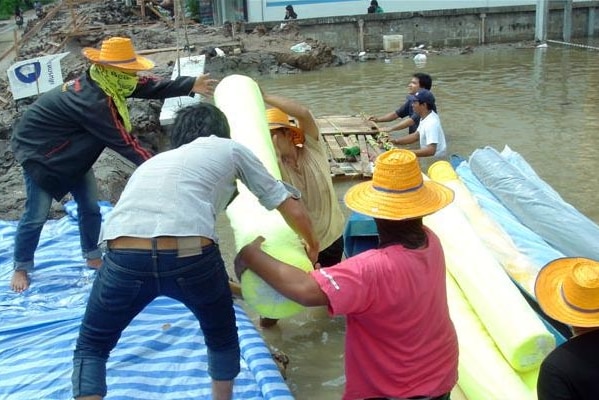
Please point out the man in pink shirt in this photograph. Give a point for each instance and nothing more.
(400, 341)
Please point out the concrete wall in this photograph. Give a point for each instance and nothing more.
(448, 28)
(274, 10)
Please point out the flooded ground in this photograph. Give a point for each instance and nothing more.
(543, 103)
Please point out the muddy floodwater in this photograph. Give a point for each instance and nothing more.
(543, 103)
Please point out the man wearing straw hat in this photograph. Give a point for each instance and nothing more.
(400, 341)
(567, 290)
(63, 133)
(304, 163)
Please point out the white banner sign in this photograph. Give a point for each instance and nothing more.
(35, 76)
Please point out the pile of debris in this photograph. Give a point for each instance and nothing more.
(70, 26)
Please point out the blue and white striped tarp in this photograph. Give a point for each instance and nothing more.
(161, 355)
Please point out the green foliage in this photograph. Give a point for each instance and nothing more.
(7, 8)
(192, 9)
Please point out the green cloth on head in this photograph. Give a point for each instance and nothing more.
(118, 85)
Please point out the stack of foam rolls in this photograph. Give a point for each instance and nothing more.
(502, 340)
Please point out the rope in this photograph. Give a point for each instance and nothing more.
(584, 46)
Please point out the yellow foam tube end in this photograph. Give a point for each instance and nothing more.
(281, 243)
(263, 298)
(240, 99)
(442, 171)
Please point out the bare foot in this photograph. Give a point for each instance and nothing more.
(19, 281)
(267, 322)
(94, 263)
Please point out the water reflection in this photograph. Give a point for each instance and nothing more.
(543, 103)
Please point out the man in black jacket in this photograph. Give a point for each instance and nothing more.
(63, 133)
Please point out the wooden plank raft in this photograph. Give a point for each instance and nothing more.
(341, 132)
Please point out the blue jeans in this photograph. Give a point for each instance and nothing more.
(128, 281)
(37, 207)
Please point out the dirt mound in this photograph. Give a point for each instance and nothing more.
(158, 37)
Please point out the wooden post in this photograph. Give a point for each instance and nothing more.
(142, 6)
(73, 15)
(361, 37)
(16, 39)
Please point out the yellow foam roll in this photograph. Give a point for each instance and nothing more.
(516, 264)
(484, 373)
(514, 326)
(240, 100)
(530, 379)
(458, 394)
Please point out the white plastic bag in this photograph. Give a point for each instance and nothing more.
(301, 47)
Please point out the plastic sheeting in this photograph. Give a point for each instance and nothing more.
(527, 241)
(161, 355)
(541, 210)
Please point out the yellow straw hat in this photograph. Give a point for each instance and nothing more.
(397, 190)
(567, 290)
(118, 52)
(278, 119)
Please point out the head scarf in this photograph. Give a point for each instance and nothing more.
(118, 85)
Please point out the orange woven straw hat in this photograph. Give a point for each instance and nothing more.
(397, 190)
(118, 52)
(278, 119)
(567, 290)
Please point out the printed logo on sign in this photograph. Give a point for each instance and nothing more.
(28, 73)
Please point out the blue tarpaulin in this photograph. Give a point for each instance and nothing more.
(161, 355)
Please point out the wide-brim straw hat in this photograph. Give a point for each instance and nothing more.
(567, 290)
(278, 119)
(118, 52)
(397, 190)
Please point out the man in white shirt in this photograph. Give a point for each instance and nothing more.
(162, 241)
(430, 132)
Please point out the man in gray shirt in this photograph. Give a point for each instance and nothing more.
(161, 240)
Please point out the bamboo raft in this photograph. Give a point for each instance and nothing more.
(341, 132)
